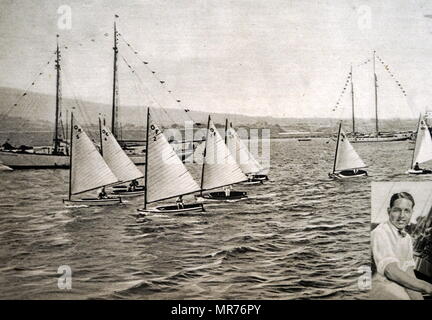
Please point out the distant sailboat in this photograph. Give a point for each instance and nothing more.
(88, 170)
(120, 164)
(247, 162)
(422, 150)
(347, 162)
(165, 175)
(219, 169)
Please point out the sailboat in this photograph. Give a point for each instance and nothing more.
(219, 169)
(165, 174)
(377, 136)
(248, 164)
(55, 156)
(347, 162)
(119, 163)
(422, 150)
(88, 170)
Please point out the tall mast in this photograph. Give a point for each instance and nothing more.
(337, 146)
(204, 156)
(100, 136)
(352, 102)
(70, 158)
(146, 160)
(57, 112)
(376, 95)
(114, 93)
(418, 126)
(226, 130)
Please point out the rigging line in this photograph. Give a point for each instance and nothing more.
(85, 118)
(149, 91)
(35, 78)
(161, 82)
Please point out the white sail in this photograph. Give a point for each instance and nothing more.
(423, 147)
(167, 175)
(115, 157)
(198, 155)
(89, 169)
(220, 168)
(347, 158)
(240, 152)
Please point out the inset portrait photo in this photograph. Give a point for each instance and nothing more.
(401, 240)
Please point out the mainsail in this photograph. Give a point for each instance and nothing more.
(88, 169)
(219, 168)
(118, 161)
(346, 157)
(240, 152)
(167, 176)
(423, 146)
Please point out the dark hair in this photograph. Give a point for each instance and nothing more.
(401, 195)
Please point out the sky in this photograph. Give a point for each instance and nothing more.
(281, 58)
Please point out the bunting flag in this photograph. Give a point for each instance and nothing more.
(338, 102)
(387, 68)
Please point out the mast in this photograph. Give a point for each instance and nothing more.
(418, 126)
(376, 96)
(337, 146)
(70, 158)
(146, 160)
(100, 137)
(57, 111)
(204, 156)
(114, 93)
(226, 130)
(352, 102)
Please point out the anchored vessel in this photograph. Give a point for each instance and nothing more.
(377, 136)
(166, 176)
(347, 163)
(88, 170)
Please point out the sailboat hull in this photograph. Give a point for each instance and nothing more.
(174, 208)
(27, 160)
(384, 138)
(349, 174)
(93, 202)
(419, 172)
(221, 196)
(123, 192)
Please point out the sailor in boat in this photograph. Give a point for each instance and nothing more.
(102, 194)
(179, 202)
(227, 190)
(133, 185)
(417, 167)
(392, 252)
(7, 146)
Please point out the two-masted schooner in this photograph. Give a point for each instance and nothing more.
(378, 136)
(347, 163)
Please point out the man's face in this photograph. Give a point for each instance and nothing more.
(401, 212)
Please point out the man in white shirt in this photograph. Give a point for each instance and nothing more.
(392, 251)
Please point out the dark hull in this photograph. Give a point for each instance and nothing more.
(174, 208)
(220, 195)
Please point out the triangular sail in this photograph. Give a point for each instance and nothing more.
(240, 152)
(89, 170)
(423, 147)
(167, 175)
(220, 168)
(347, 158)
(115, 157)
